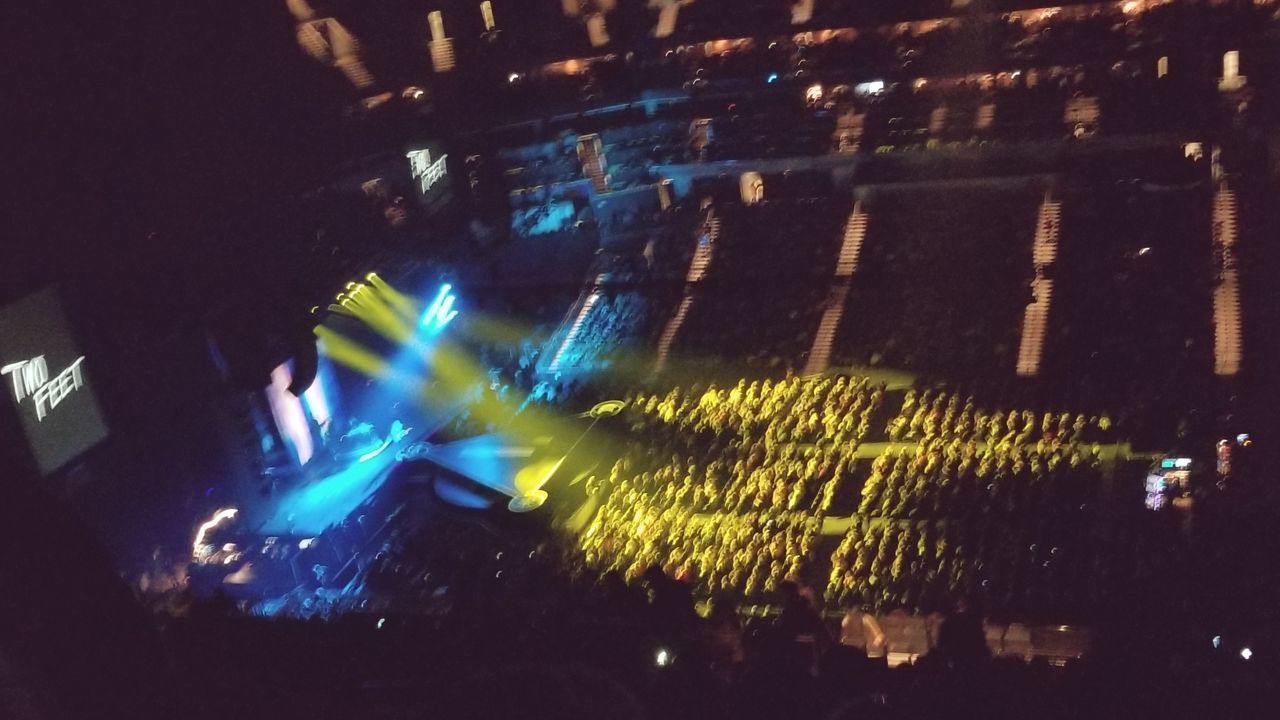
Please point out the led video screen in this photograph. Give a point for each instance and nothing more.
(48, 381)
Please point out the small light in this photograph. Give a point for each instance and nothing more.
(1246, 653)
(381, 622)
(513, 77)
(773, 77)
(1217, 641)
(1144, 251)
(873, 87)
(662, 658)
(305, 543)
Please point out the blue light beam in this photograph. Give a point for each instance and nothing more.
(441, 312)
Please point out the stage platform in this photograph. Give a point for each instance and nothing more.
(315, 505)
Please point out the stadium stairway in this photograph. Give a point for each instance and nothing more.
(1035, 318)
(702, 256)
(576, 327)
(355, 71)
(591, 155)
(985, 117)
(668, 336)
(1228, 334)
(855, 232)
(825, 337)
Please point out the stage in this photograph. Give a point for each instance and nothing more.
(517, 470)
(314, 505)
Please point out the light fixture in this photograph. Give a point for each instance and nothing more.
(441, 311)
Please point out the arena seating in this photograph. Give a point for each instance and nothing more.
(943, 279)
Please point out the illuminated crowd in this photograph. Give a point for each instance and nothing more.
(953, 519)
(943, 415)
(730, 485)
(731, 488)
(792, 409)
(750, 552)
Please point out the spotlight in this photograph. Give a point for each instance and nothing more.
(1246, 653)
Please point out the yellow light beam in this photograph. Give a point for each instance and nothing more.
(403, 305)
(491, 328)
(347, 352)
(375, 313)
